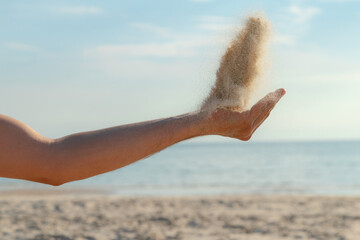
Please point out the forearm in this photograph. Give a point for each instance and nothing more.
(83, 155)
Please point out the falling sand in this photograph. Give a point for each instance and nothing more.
(239, 68)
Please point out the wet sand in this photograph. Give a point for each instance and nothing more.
(64, 216)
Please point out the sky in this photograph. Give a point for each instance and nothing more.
(70, 66)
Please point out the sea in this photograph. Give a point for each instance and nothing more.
(194, 168)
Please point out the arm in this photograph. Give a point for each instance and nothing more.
(25, 154)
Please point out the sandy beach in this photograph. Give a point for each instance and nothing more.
(64, 216)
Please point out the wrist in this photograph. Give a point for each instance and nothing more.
(199, 124)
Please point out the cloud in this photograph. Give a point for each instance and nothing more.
(215, 23)
(303, 14)
(177, 44)
(284, 39)
(353, 77)
(145, 50)
(152, 28)
(293, 22)
(213, 18)
(207, 23)
(169, 49)
(216, 26)
(22, 47)
(80, 10)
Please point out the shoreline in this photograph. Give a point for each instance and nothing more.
(145, 192)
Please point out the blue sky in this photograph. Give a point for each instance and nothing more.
(68, 66)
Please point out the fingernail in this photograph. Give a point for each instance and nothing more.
(281, 91)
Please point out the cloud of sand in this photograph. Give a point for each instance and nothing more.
(239, 68)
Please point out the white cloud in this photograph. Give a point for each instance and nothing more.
(80, 10)
(22, 47)
(207, 23)
(152, 28)
(169, 49)
(294, 23)
(343, 77)
(216, 26)
(215, 23)
(213, 18)
(145, 50)
(303, 14)
(284, 39)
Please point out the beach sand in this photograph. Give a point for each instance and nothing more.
(64, 216)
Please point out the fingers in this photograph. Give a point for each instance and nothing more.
(261, 110)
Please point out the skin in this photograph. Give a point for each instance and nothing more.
(25, 154)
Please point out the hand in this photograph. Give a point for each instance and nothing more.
(242, 125)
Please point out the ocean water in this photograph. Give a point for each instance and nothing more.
(320, 168)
